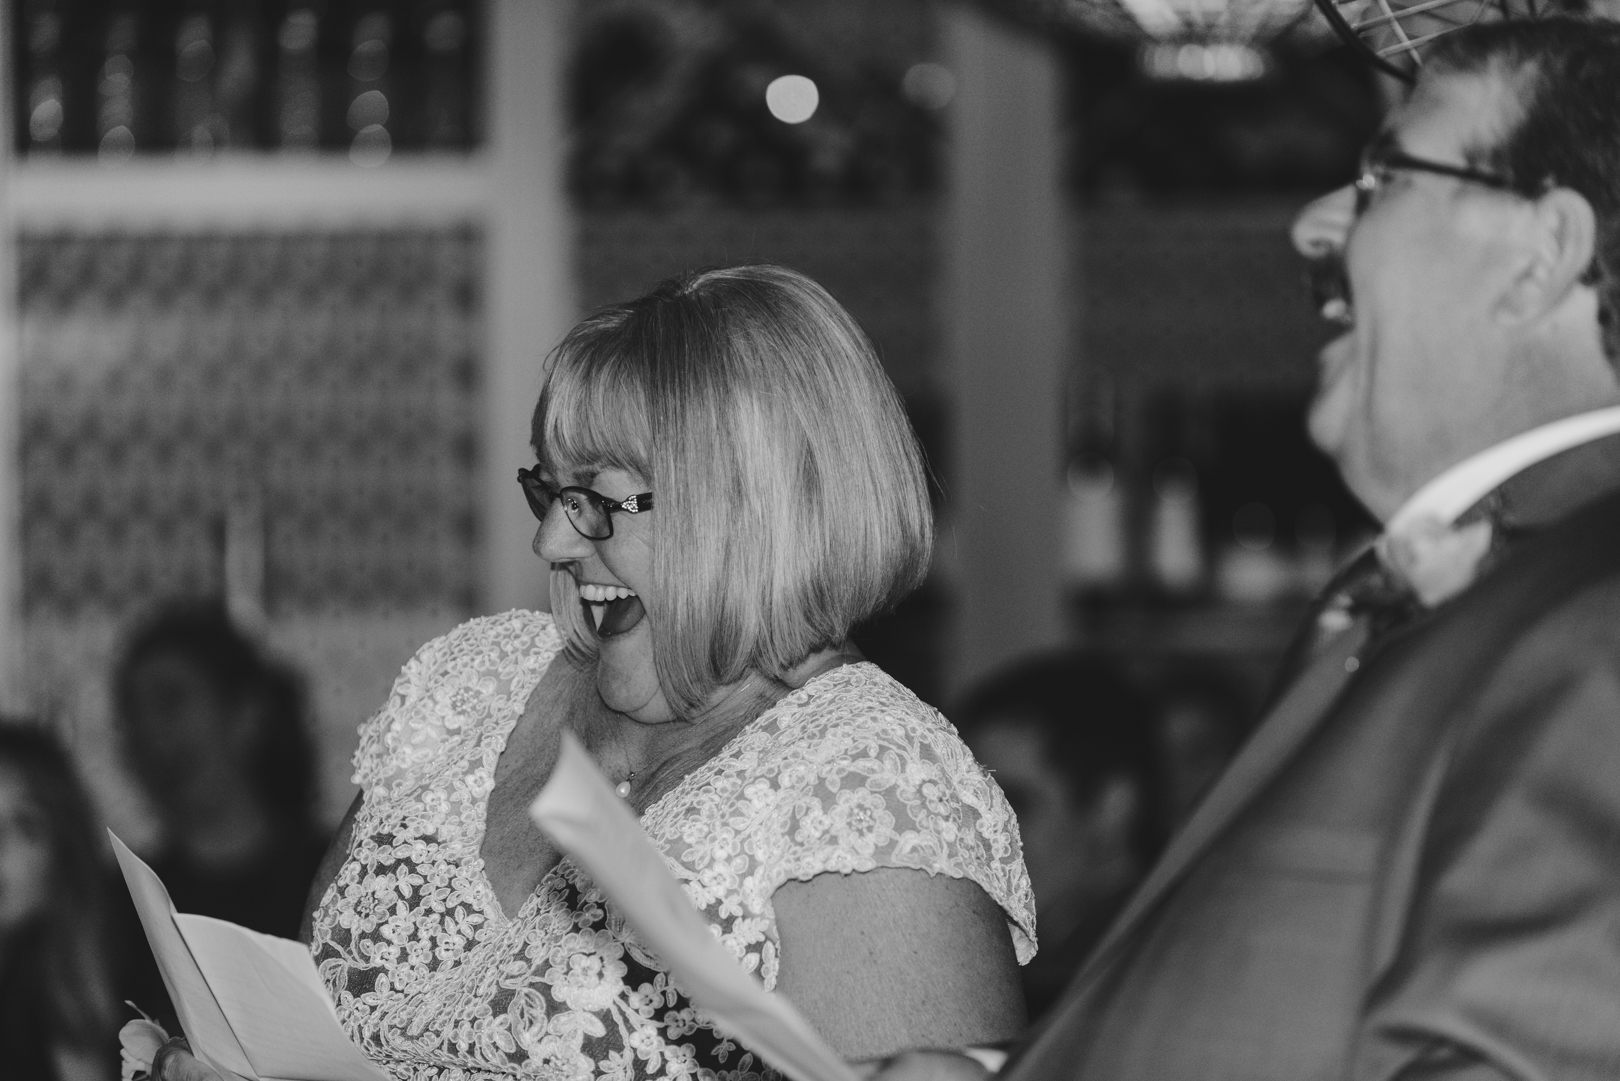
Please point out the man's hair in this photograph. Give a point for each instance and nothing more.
(1567, 73)
(789, 492)
(1095, 726)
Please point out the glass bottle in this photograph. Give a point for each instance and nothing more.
(198, 125)
(1175, 550)
(369, 90)
(444, 104)
(42, 133)
(236, 83)
(115, 91)
(1094, 504)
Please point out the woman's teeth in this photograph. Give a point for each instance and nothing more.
(598, 597)
(591, 593)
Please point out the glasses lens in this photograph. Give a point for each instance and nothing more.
(536, 492)
(584, 509)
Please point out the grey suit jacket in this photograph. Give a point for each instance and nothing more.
(1413, 869)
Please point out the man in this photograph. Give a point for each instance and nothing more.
(1412, 870)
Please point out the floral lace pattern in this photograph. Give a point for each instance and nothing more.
(433, 980)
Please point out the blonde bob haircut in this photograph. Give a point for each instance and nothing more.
(789, 493)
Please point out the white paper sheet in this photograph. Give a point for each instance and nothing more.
(274, 1000)
(200, 1016)
(581, 812)
(250, 1003)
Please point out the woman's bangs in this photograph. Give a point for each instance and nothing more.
(592, 416)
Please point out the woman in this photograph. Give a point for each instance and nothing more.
(726, 484)
(215, 733)
(57, 1012)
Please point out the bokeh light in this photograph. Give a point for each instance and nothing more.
(792, 99)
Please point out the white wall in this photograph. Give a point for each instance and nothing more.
(531, 301)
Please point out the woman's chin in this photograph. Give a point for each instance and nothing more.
(626, 679)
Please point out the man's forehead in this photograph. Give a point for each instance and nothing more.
(1451, 113)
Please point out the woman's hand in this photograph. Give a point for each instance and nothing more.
(139, 1042)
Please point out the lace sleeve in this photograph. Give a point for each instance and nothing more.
(870, 777)
(446, 690)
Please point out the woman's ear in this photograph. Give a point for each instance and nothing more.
(1562, 242)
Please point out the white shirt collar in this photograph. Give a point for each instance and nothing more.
(1447, 496)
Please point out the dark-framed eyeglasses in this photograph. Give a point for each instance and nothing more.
(1378, 166)
(590, 513)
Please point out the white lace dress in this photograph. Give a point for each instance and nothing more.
(431, 978)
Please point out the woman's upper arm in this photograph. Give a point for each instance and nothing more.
(892, 959)
(336, 853)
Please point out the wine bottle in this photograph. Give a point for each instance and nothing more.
(298, 88)
(1094, 549)
(198, 126)
(115, 91)
(1175, 549)
(444, 106)
(43, 76)
(370, 106)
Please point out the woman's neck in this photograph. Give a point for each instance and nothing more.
(655, 757)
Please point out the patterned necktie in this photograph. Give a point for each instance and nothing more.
(1367, 589)
(1400, 577)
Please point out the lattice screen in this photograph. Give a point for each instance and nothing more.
(318, 391)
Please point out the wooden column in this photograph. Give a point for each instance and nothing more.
(1004, 312)
(531, 301)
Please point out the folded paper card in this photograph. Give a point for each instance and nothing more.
(580, 811)
(251, 1005)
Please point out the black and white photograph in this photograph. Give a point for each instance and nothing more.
(810, 540)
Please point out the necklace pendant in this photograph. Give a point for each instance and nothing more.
(623, 789)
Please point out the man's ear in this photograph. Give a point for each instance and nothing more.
(1562, 243)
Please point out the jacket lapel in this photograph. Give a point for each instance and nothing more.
(1297, 714)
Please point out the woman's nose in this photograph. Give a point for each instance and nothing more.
(557, 541)
(1322, 226)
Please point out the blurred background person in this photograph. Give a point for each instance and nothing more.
(215, 734)
(58, 1020)
(1202, 713)
(1072, 744)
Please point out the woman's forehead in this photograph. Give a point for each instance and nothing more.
(584, 473)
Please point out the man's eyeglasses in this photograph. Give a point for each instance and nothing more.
(1325, 276)
(590, 513)
(1378, 167)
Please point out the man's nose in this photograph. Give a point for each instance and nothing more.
(1322, 226)
(557, 541)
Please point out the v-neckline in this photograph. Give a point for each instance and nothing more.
(494, 910)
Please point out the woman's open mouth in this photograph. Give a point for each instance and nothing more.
(612, 609)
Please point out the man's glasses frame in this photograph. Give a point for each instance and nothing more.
(1325, 276)
(1378, 166)
(589, 512)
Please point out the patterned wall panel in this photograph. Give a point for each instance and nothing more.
(313, 395)
(317, 391)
